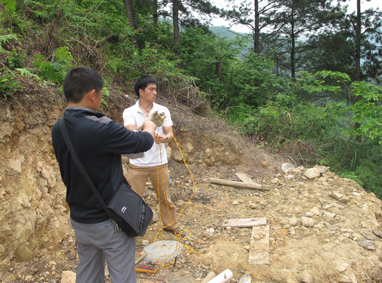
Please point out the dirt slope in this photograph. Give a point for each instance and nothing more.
(321, 230)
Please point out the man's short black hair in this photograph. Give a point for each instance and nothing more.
(78, 81)
(142, 83)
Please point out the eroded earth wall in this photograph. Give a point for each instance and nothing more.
(33, 211)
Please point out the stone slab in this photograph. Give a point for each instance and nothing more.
(162, 251)
(259, 248)
(245, 222)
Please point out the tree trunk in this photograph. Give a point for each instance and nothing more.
(130, 12)
(358, 58)
(155, 15)
(277, 65)
(257, 29)
(131, 16)
(292, 53)
(175, 20)
(218, 70)
(358, 43)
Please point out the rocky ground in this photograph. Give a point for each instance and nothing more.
(322, 229)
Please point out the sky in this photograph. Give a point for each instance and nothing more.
(352, 6)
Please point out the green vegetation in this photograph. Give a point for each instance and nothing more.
(308, 99)
(55, 70)
(8, 83)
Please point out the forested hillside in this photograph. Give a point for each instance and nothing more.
(307, 91)
(310, 87)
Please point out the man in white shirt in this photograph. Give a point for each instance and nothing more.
(154, 163)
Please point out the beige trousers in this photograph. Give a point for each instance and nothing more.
(137, 178)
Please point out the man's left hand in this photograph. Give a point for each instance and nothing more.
(160, 139)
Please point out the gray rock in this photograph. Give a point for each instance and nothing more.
(275, 181)
(340, 218)
(287, 167)
(342, 266)
(322, 169)
(378, 233)
(366, 244)
(336, 195)
(328, 215)
(323, 179)
(68, 277)
(312, 173)
(315, 210)
(344, 200)
(15, 164)
(306, 277)
(307, 222)
(350, 278)
(293, 221)
(368, 236)
(253, 205)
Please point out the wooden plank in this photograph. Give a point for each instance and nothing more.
(245, 222)
(253, 186)
(244, 177)
(139, 259)
(259, 248)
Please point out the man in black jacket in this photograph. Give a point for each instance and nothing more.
(99, 143)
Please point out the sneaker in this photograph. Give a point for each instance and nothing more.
(178, 232)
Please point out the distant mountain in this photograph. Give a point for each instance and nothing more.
(230, 34)
(226, 32)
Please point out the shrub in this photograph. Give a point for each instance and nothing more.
(56, 69)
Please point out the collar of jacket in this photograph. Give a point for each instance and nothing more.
(82, 111)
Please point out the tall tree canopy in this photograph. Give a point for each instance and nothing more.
(351, 44)
(295, 20)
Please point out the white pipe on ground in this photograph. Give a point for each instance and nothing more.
(223, 277)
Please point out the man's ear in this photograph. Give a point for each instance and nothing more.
(91, 95)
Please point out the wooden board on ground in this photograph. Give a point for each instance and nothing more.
(245, 222)
(259, 246)
(244, 177)
(139, 259)
(252, 185)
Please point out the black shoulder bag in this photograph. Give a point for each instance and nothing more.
(128, 210)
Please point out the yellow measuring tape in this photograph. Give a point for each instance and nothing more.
(178, 237)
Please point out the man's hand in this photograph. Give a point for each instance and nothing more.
(149, 126)
(157, 119)
(160, 139)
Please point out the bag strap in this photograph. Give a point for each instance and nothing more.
(80, 167)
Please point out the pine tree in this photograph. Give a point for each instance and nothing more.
(182, 15)
(295, 21)
(249, 13)
(352, 44)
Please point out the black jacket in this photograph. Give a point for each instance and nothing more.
(99, 143)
